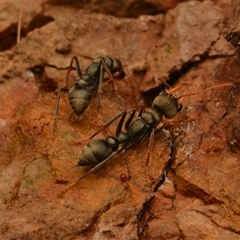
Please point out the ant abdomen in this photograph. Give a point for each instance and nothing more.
(94, 152)
(80, 97)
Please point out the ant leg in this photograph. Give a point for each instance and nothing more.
(144, 137)
(181, 97)
(206, 89)
(102, 66)
(160, 129)
(106, 69)
(178, 87)
(150, 149)
(150, 145)
(125, 146)
(133, 85)
(102, 128)
(100, 83)
(151, 141)
(171, 90)
(123, 113)
(142, 110)
(166, 84)
(129, 120)
(57, 107)
(79, 73)
(65, 89)
(94, 169)
(107, 124)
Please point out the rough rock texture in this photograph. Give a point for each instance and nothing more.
(120, 8)
(190, 188)
(33, 17)
(38, 13)
(87, 41)
(204, 203)
(184, 42)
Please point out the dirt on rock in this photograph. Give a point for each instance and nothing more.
(190, 187)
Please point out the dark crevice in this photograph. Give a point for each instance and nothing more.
(133, 9)
(160, 182)
(59, 68)
(232, 36)
(149, 96)
(173, 78)
(190, 190)
(9, 36)
(48, 84)
(45, 83)
(181, 186)
(142, 8)
(39, 21)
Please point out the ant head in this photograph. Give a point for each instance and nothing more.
(167, 104)
(171, 105)
(115, 66)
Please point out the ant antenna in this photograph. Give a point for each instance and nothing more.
(206, 89)
(171, 90)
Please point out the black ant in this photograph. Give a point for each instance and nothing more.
(81, 93)
(99, 151)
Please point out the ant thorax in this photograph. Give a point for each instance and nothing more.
(152, 116)
(82, 83)
(92, 75)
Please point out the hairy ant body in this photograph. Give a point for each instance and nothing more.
(81, 93)
(99, 151)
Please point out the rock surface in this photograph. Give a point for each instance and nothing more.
(190, 188)
(192, 33)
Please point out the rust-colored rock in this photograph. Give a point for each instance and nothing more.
(121, 8)
(32, 17)
(192, 32)
(197, 197)
(87, 41)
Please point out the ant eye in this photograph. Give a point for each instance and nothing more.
(179, 107)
